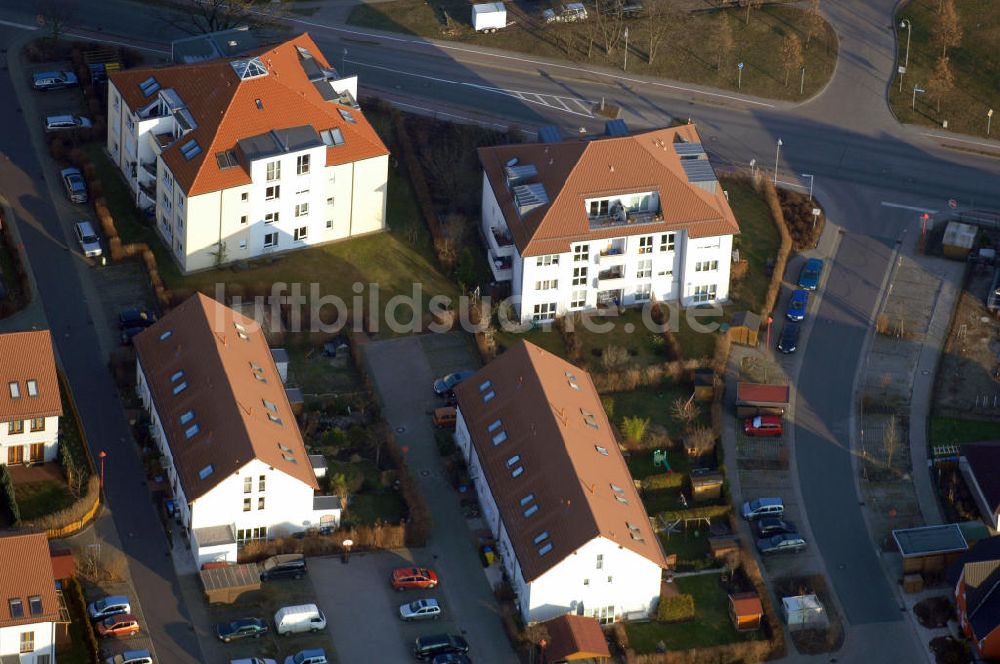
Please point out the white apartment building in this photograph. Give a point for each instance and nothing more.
(572, 533)
(30, 404)
(32, 608)
(230, 444)
(237, 158)
(614, 220)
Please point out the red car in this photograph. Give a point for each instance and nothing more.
(763, 425)
(413, 578)
(122, 624)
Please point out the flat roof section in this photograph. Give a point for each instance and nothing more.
(930, 540)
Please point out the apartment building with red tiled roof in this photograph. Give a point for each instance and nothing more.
(30, 403)
(244, 156)
(611, 220)
(31, 606)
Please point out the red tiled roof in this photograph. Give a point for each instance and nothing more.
(751, 392)
(574, 483)
(225, 109)
(26, 572)
(575, 170)
(28, 356)
(230, 405)
(575, 637)
(746, 604)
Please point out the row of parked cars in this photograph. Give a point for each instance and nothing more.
(798, 304)
(774, 533)
(112, 617)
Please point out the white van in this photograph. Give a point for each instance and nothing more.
(302, 618)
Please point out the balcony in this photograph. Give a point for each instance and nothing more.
(624, 218)
(617, 272)
(148, 192)
(613, 254)
(502, 267)
(149, 169)
(501, 242)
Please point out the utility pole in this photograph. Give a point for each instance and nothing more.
(777, 155)
(802, 83)
(989, 119)
(625, 66)
(905, 23)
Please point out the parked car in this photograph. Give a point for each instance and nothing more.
(445, 418)
(242, 628)
(797, 305)
(771, 526)
(120, 624)
(87, 238)
(445, 384)
(780, 543)
(108, 606)
(312, 656)
(809, 276)
(762, 507)
(789, 339)
(451, 658)
(130, 333)
(65, 122)
(253, 660)
(300, 618)
(135, 318)
(76, 186)
(54, 80)
(426, 647)
(420, 609)
(131, 657)
(411, 578)
(763, 425)
(568, 13)
(285, 566)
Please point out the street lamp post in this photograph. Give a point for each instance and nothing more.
(753, 168)
(913, 105)
(102, 455)
(811, 180)
(989, 119)
(770, 319)
(347, 551)
(343, 63)
(802, 83)
(777, 155)
(905, 23)
(625, 66)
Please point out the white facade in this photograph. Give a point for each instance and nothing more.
(256, 502)
(33, 440)
(313, 206)
(600, 579)
(40, 637)
(626, 270)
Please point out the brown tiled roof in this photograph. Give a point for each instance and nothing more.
(545, 420)
(574, 170)
(26, 572)
(754, 392)
(746, 604)
(575, 637)
(222, 391)
(28, 356)
(984, 462)
(225, 109)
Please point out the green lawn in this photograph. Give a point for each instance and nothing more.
(757, 242)
(38, 499)
(710, 627)
(975, 65)
(654, 404)
(692, 550)
(383, 505)
(947, 430)
(627, 331)
(686, 53)
(316, 374)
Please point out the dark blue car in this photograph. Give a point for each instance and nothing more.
(809, 276)
(443, 386)
(797, 305)
(789, 340)
(241, 629)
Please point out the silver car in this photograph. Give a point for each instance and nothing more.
(76, 186)
(53, 80)
(64, 122)
(421, 609)
(89, 242)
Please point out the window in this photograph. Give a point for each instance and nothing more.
(206, 471)
(547, 284)
(301, 233)
(329, 223)
(272, 192)
(302, 192)
(643, 292)
(346, 114)
(187, 417)
(551, 259)
(527, 499)
(517, 471)
(243, 244)
(271, 218)
(32, 388)
(485, 385)
(545, 549)
(646, 244)
(15, 426)
(180, 387)
(600, 561)
(332, 137)
(260, 503)
(601, 450)
(301, 209)
(35, 605)
(329, 201)
(586, 582)
(545, 311)
(500, 437)
(43, 659)
(302, 164)
(645, 269)
(176, 376)
(610, 579)
(513, 460)
(262, 482)
(15, 390)
(489, 396)
(273, 171)
(496, 424)
(531, 510)
(578, 300)
(541, 537)
(27, 642)
(599, 208)
(247, 484)
(16, 608)
(270, 240)
(579, 276)
(244, 196)
(246, 504)
(581, 253)
(38, 424)
(704, 293)
(192, 431)
(605, 615)
(191, 149)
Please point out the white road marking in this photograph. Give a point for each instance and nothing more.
(101, 40)
(22, 26)
(908, 207)
(960, 140)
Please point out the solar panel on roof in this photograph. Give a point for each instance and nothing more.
(699, 170)
(616, 128)
(549, 134)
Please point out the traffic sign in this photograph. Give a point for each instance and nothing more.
(816, 212)
(902, 69)
(952, 203)
(740, 66)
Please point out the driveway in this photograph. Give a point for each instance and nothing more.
(403, 370)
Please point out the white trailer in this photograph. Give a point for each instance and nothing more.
(489, 17)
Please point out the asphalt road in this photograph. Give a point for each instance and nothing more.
(64, 293)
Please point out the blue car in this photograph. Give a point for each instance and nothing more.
(797, 306)
(809, 276)
(444, 385)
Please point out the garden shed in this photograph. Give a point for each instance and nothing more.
(706, 484)
(746, 611)
(575, 638)
(744, 328)
(761, 399)
(958, 240)
(803, 612)
(930, 549)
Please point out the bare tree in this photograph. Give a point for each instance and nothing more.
(609, 23)
(890, 440)
(752, 4)
(791, 54)
(613, 357)
(814, 21)
(942, 80)
(536, 634)
(699, 442)
(724, 42)
(686, 411)
(659, 17)
(57, 17)
(341, 488)
(197, 17)
(947, 31)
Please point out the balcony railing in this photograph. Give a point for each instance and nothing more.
(150, 169)
(613, 273)
(501, 266)
(630, 219)
(148, 192)
(502, 236)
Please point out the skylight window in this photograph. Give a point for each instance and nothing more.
(631, 526)
(621, 499)
(485, 385)
(191, 149)
(500, 437)
(494, 426)
(270, 406)
(527, 499)
(35, 605)
(274, 418)
(346, 114)
(15, 390)
(191, 431)
(592, 424)
(242, 332)
(247, 69)
(531, 510)
(601, 450)
(570, 375)
(177, 376)
(541, 537)
(332, 137)
(489, 396)
(574, 386)
(16, 608)
(586, 413)
(206, 471)
(166, 335)
(32, 388)
(187, 417)
(180, 387)
(637, 537)
(149, 86)
(545, 549)
(517, 471)
(617, 489)
(513, 460)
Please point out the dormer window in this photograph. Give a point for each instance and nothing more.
(32, 388)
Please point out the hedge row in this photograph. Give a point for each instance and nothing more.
(11, 511)
(20, 269)
(675, 608)
(778, 217)
(77, 606)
